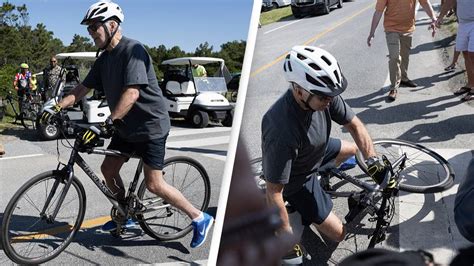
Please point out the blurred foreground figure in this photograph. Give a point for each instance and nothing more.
(248, 236)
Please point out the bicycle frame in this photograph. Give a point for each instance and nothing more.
(68, 174)
(399, 165)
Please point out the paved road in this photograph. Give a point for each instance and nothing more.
(27, 157)
(428, 114)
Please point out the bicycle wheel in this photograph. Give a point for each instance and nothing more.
(28, 237)
(28, 116)
(163, 221)
(257, 171)
(425, 172)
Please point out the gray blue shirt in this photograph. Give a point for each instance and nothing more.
(129, 64)
(465, 11)
(294, 140)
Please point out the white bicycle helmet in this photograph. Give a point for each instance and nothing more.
(103, 11)
(314, 69)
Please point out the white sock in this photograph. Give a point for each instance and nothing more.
(199, 218)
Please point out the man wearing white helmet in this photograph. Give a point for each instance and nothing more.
(296, 139)
(139, 121)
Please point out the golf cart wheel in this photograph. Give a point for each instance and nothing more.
(296, 12)
(227, 122)
(199, 119)
(48, 131)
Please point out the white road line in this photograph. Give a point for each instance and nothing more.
(198, 142)
(21, 156)
(194, 131)
(281, 27)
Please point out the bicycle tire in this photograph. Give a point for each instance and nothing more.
(426, 171)
(35, 244)
(170, 223)
(256, 169)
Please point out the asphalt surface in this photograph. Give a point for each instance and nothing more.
(27, 156)
(428, 114)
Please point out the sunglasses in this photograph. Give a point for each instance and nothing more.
(53, 61)
(94, 27)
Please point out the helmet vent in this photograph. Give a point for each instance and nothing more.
(284, 66)
(93, 12)
(301, 57)
(309, 49)
(289, 67)
(313, 81)
(327, 80)
(314, 66)
(102, 11)
(337, 76)
(326, 60)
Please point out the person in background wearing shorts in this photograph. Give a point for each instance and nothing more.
(296, 139)
(139, 118)
(464, 40)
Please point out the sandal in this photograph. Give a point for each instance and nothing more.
(469, 96)
(450, 68)
(462, 90)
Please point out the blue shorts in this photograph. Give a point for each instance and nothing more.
(311, 201)
(151, 151)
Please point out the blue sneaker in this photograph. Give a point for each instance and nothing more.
(111, 225)
(348, 164)
(200, 230)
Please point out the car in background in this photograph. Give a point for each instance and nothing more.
(301, 8)
(268, 5)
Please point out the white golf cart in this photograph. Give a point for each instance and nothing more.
(198, 99)
(94, 109)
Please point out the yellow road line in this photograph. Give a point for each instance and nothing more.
(61, 229)
(316, 37)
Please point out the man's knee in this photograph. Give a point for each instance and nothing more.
(154, 182)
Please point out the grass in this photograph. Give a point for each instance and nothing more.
(275, 15)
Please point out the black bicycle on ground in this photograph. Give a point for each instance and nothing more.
(413, 167)
(43, 216)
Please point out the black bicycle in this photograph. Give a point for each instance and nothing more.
(46, 212)
(29, 107)
(413, 167)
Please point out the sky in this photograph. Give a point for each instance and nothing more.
(183, 23)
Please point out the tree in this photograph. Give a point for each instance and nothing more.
(80, 44)
(233, 53)
(203, 50)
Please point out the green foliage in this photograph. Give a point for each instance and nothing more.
(20, 43)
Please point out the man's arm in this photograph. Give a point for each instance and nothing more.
(274, 195)
(127, 100)
(375, 22)
(429, 11)
(448, 5)
(361, 136)
(76, 94)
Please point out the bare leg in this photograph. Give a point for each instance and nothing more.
(469, 60)
(332, 227)
(111, 170)
(348, 149)
(157, 185)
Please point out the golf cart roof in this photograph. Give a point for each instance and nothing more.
(78, 55)
(192, 60)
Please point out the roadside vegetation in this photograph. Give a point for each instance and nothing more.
(275, 14)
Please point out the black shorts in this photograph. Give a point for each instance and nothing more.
(311, 201)
(151, 151)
